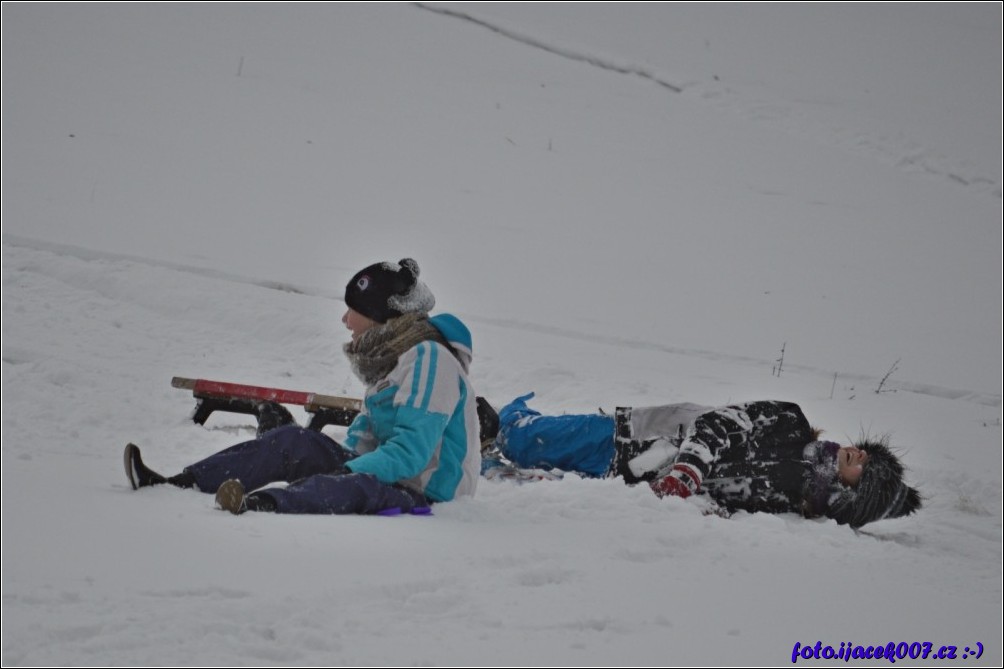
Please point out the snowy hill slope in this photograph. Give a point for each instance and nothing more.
(187, 188)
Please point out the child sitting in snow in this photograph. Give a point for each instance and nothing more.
(757, 456)
(416, 440)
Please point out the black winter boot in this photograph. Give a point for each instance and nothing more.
(260, 501)
(230, 497)
(488, 420)
(139, 474)
(626, 448)
(183, 480)
(272, 415)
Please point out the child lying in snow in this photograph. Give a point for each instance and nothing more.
(757, 456)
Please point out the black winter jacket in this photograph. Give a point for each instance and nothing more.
(750, 455)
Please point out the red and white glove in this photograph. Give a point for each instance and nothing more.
(682, 481)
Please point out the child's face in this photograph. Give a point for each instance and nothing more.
(356, 322)
(850, 465)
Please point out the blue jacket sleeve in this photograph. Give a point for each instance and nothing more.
(359, 437)
(414, 438)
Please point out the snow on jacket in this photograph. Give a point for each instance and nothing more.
(750, 456)
(419, 424)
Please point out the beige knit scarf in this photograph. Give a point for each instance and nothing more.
(374, 354)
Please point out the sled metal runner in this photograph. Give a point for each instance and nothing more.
(240, 398)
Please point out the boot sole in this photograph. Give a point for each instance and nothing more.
(230, 497)
(127, 459)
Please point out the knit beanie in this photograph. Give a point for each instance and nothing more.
(881, 492)
(387, 290)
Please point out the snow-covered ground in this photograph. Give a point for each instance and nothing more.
(629, 205)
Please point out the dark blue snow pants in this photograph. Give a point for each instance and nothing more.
(314, 466)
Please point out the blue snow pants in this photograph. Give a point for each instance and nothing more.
(580, 443)
(314, 466)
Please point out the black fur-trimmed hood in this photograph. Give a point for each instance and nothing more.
(881, 492)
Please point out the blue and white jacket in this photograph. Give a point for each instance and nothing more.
(419, 424)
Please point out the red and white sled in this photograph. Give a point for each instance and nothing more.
(239, 398)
